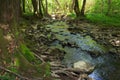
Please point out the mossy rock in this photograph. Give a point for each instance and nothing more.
(31, 70)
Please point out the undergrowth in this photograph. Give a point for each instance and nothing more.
(103, 19)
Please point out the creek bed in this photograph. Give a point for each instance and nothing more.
(80, 48)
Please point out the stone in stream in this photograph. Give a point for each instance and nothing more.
(82, 65)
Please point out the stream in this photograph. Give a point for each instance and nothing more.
(79, 48)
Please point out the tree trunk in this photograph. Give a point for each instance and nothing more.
(46, 8)
(71, 6)
(57, 3)
(76, 8)
(9, 10)
(23, 5)
(34, 3)
(83, 8)
(40, 8)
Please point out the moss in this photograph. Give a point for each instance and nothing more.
(22, 62)
(31, 70)
(7, 77)
(43, 70)
(27, 53)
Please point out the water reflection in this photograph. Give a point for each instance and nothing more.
(95, 76)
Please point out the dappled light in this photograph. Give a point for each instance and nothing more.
(59, 39)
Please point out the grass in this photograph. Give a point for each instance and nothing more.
(72, 15)
(104, 20)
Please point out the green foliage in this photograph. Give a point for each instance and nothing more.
(65, 6)
(13, 69)
(7, 77)
(72, 15)
(47, 73)
(105, 13)
(102, 6)
(103, 19)
(44, 69)
(28, 6)
(4, 78)
(27, 53)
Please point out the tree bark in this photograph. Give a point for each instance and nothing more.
(71, 6)
(46, 8)
(40, 8)
(57, 3)
(9, 10)
(76, 8)
(23, 5)
(34, 3)
(83, 8)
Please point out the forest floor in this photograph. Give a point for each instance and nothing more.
(40, 38)
(104, 35)
(71, 49)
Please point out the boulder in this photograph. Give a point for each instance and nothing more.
(84, 66)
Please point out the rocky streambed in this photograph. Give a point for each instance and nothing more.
(74, 52)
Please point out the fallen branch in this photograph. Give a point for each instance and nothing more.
(7, 70)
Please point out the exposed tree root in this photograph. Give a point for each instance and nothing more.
(41, 59)
(72, 73)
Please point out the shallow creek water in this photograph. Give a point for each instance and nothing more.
(84, 48)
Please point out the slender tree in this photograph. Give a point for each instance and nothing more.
(57, 2)
(40, 8)
(83, 8)
(34, 3)
(71, 6)
(23, 5)
(46, 8)
(76, 8)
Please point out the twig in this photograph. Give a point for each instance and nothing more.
(7, 70)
